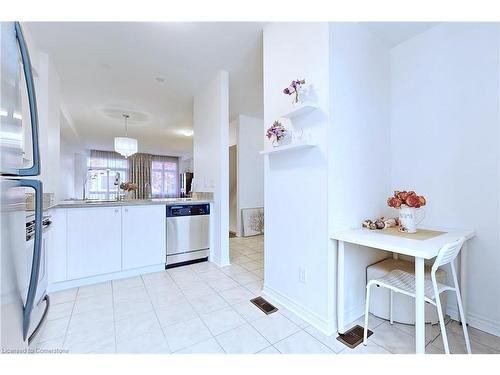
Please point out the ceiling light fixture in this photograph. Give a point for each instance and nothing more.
(124, 145)
(187, 132)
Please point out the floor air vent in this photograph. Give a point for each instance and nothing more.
(265, 306)
(353, 337)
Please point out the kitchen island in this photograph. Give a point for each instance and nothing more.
(95, 241)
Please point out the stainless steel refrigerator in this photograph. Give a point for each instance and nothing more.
(21, 313)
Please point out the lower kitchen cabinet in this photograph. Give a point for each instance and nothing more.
(93, 241)
(57, 246)
(143, 236)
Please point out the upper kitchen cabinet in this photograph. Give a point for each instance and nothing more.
(143, 236)
(94, 241)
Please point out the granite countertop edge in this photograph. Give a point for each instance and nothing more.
(134, 202)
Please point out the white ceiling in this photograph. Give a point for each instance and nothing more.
(151, 71)
(394, 33)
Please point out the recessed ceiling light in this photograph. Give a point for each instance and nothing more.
(187, 132)
(3, 113)
(17, 116)
(160, 79)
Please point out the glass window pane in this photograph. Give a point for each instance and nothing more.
(156, 182)
(170, 166)
(170, 183)
(156, 165)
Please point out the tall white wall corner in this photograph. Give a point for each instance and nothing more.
(296, 233)
(211, 157)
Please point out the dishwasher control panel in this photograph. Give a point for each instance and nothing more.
(188, 210)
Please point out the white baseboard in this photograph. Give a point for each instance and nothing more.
(324, 325)
(353, 314)
(480, 322)
(54, 287)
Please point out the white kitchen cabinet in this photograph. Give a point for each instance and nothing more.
(94, 241)
(143, 236)
(56, 234)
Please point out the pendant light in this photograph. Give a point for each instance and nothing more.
(124, 145)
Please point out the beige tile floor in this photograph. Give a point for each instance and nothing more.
(202, 308)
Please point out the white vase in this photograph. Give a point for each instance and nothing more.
(298, 97)
(283, 140)
(408, 219)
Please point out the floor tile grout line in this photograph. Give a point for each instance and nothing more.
(114, 314)
(70, 317)
(250, 323)
(199, 317)
(156, 314)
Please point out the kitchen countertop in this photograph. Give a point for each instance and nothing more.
(132, 202)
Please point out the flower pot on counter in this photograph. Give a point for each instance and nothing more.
(408, 220)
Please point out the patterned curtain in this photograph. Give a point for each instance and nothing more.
(140, 173)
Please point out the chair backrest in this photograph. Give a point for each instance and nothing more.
(448, 253)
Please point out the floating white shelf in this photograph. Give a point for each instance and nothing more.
(289, 147)
(301, 109)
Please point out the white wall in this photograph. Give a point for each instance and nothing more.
(445, 144)
(296, 182)
(233, 132)
(186, 164)
(233, 189)
(246, 132)
(359, 157)
(67, 177)
(250, 162)
(211, 158)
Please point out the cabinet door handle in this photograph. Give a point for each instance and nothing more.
(126, 210)
(116, 210)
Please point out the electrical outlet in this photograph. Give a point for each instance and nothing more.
(302, 275)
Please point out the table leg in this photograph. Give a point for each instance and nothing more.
(419, 306)
(340, 288)
(463, 278)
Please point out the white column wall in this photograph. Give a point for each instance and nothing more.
(296, 182)
(360, 146)
(211, 158)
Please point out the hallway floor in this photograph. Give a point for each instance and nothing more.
(202, 308)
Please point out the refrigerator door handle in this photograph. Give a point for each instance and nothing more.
(42, 320)
(34, 170)
(37, 251)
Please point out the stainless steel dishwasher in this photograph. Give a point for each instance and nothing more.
(188, 238)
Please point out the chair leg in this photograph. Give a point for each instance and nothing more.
(440, 315)
(391, 320)
(461, 310)
(367, 308)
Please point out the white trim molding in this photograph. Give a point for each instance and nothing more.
(55, 287)
(476, 321)
(328, 327)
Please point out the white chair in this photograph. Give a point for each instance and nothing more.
(404, 282)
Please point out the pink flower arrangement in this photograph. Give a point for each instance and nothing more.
(408, 198)
(294, 88)
(277, 130)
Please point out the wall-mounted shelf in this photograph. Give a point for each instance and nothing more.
(301, 109)
(289, 147)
